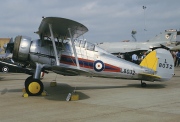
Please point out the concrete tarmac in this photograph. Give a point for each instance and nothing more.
(101, 100)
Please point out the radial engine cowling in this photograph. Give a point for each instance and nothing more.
(21, 48)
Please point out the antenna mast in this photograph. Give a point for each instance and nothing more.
(144, 8)
(133, 33)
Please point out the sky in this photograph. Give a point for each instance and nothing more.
(106, 20)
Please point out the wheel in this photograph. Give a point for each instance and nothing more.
(143, 84)
(34, 87)
(29, 78)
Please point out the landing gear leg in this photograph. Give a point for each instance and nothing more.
(33, 85)
(143, 84)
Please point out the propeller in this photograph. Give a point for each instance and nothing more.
(8, 49)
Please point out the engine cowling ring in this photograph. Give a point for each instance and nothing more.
(21, 48)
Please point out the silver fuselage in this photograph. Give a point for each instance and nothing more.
(92, 59)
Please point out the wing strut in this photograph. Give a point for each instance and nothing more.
(54, 46)
(74, 49)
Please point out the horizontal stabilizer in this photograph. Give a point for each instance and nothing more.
(150, 77)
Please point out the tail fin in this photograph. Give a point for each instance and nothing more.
(168, 35)
(160, 61)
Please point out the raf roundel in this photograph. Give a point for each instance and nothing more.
(167, 36)
(98, 66)
(5, 69)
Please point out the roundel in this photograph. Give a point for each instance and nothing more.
(98, 66)
(5, 69)
(167, 36)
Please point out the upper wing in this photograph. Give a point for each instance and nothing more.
(60, 27)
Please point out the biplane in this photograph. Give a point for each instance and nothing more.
(61, 50)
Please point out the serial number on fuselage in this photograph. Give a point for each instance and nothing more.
(128, 71)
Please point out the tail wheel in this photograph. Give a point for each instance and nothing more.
(34, 87)
(143, 84)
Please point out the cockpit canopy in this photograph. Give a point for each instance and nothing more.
(84, 44)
